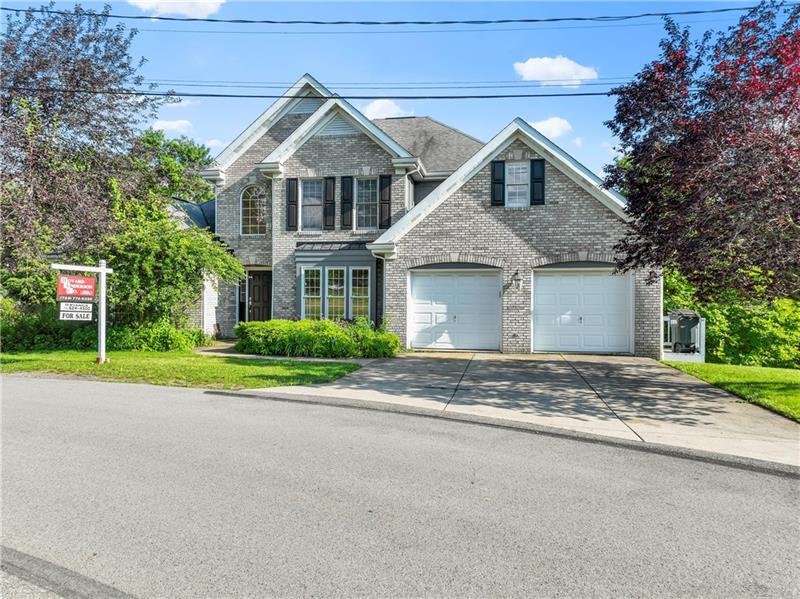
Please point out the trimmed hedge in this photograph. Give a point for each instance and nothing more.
(315, 339)
(43, 331)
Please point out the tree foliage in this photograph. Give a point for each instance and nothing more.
(59, 144)
(711, 136)
(741, 330)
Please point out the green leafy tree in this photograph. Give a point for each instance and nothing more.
(739, 329)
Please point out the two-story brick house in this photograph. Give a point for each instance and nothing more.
(456, 244)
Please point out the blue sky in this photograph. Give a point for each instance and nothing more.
(586, 54)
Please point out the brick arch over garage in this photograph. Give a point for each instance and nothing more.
(455, 257)
(580, 256)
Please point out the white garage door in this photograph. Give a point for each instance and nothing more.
(455, 310)
(581, 312)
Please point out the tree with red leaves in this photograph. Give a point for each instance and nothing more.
(710, 134)
(61, 145)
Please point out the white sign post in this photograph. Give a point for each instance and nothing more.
(72, 311)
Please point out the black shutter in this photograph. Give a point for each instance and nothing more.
(385, 214)
(498, 183)
(347, 202)
(537, 182)
(329, 203)
(291, 204)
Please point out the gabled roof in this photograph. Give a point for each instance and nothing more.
(303, 87)
(201, 215)
(440, 148)
(517, 129)
(323, 115)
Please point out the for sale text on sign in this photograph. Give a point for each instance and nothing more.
(76, 288)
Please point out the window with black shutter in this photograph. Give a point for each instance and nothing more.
(498, 183)
(385, 184)
(329, 204)
(537, 182)
(291, 204)
(347, 202)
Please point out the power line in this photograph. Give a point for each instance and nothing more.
(181, 94)
(565, 83)
(422, 31)
(604, 18)
(391, 84)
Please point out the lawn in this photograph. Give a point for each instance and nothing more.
(177, 369)
(777, 389)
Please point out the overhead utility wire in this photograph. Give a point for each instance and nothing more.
(604, 18)
(368, 87)
(340, 84)
(125, 92)
(421, 31)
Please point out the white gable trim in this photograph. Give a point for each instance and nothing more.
(333, 108)
(304, 87)
(517, 129)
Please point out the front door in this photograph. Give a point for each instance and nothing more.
(259, 295)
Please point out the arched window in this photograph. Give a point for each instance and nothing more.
(254, 210)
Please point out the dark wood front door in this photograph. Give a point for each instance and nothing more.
(259, 300)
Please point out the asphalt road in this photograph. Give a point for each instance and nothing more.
(133, 490)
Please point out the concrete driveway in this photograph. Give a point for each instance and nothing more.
(628, 398)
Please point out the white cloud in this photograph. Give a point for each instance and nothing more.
(215, 144)
(578, 141)
(198, 9)
(384, 109)
(553, 127)
(178, 127)
(183, 104)
(559, 70)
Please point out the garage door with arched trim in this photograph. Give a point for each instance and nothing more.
(585, 311)
(455, 309)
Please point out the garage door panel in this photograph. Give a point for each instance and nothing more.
(465, 310)
(591, 312)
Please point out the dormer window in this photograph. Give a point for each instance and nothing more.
(254, 210)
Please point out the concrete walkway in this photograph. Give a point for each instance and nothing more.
(634, 399)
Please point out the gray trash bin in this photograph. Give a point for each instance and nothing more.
(682, 324)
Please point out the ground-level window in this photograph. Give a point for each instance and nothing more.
(312, 293)
(254, 210)
(366, 203)
(311, 205)
(335, 294)
(359, 293)
(518, 180)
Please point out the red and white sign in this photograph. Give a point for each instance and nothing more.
(74, 287)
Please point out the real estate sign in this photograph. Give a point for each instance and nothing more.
(71, 287)
(75, 311)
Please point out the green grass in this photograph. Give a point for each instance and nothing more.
(177, 369)
(777, 389)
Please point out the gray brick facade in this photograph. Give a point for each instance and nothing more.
(321, 156)
(571, 226)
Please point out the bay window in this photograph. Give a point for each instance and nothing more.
(312, 293)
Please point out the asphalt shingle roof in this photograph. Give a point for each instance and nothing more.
(439, 147)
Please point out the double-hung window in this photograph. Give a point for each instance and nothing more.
(311, 205)
(335, 294)
(254, 210)
(366, 204)
(312, 293)
(359, 293)
(518, 180)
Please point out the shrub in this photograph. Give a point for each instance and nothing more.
(315, 339)
(43, 331)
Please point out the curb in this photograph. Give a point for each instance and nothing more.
(698, 455)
